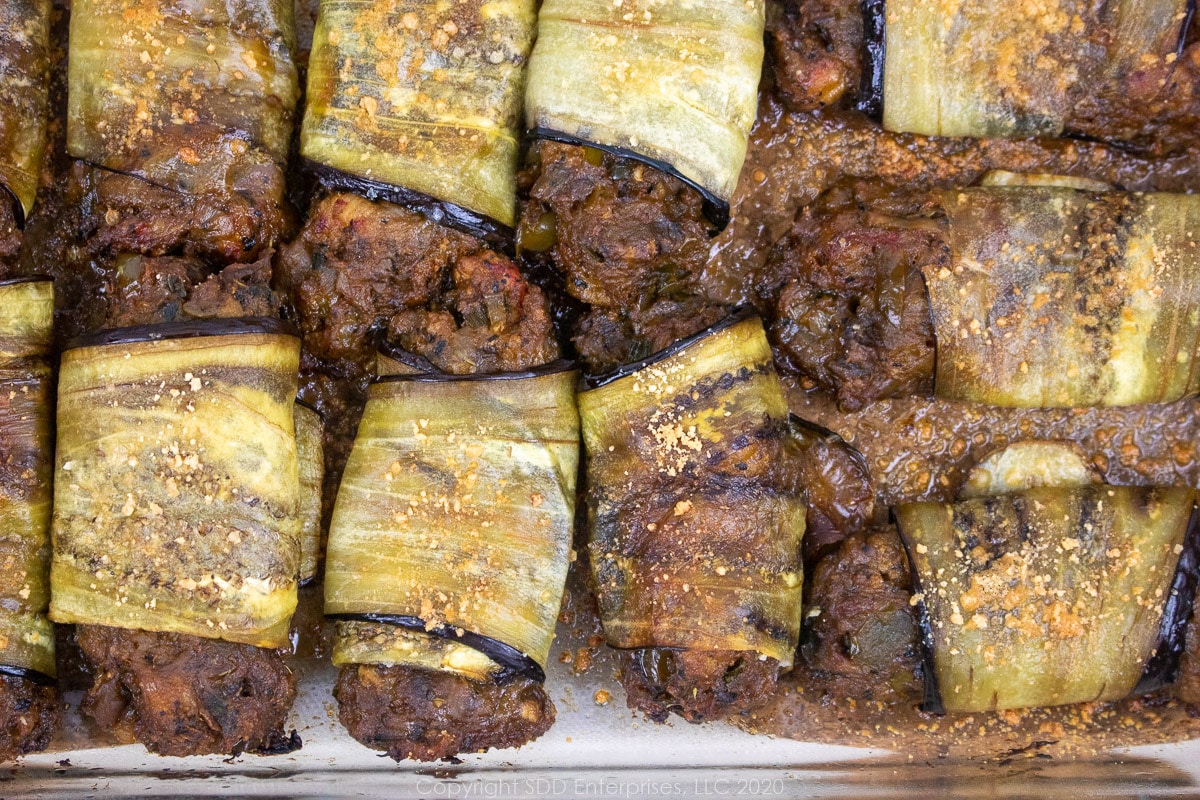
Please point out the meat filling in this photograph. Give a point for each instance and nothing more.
(860, 636)
(28, 716)
(182, 695)
(854, 317)
(624, 238)
(699, 685)
(427, 715)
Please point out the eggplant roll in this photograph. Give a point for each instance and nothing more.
(989, 69)
(1055, 297)
(451, 534)
(673, 83)
(694, 535)
(24, 97)
(310, 457)
(1045, 596)
(26, 471)
(422, 96)
(177, 495)
(155, 83)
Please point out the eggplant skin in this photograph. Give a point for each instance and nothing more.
(674, 83)
(24, 97)
(422, 95)
(1056, 297)
(26, 474)
(1047, 596)
(147, 76)
(177, 496)
(694, 503)
(456, 509)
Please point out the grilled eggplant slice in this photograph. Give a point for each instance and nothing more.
(982, 69)
(162, 88)
(26, 471)
(673, 84)
(695, 521)
(451, 533)
(421, 98)
(177, 497)
(310, 457)
(1056, 297)
(1046, 596)
(24, 97)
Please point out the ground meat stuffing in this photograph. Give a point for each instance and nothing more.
(28, 716)
(182, 695)
(10, 237)
(854, 317)
(839, 492)
(490, 320)
(149, 290)
(360, 268)
(427, 715)
(607, 338)
(699, 685)
(626, 239)
(816, 47)
(860, 637)
(238, 214)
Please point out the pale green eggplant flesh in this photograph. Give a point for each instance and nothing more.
(24, 97)
(1026, 465)
(954, 68)
(454, 520)
(1000, 177)
(1047, 596)
(310, 457)
(673, 83)
(177, 496)
(154, 84)
(695, 518)
(1061, 298)
(26, 473)
(423, 96)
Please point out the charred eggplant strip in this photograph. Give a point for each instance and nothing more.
(455, 510)
(24, 97)
(177, 502)
(149, 75)
(980, 69)
(423, 96)
(675, 84)
(26, 444)
(1046, 596)
(694, 541)
(1063, 298)
(310, 457)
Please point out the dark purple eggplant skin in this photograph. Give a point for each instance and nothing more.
(1163, 666)
(513, 662)
(870, 92)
